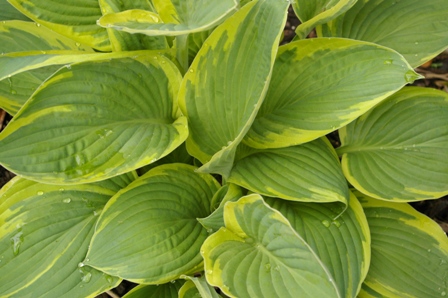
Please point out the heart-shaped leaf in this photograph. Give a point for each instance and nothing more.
(340, 238)
(45, 231)
(221, 84)
(152, 225)
(175, 17)
(416, 29)
(309, 172)
(409, 252)
(54, 137)
(78, 21)
(321, 84)
(399, 150)
(258, 254)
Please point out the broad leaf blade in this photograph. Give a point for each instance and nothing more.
(123, 41)
(259, 254)
(416, 29)
(202, 288)
(8, 12)
(399, 150)
(153, 223)
(321, 84)
(341, 238)
(221, 85)
(309, 172)
(78, 21)
(45, 231)
(54, 137)
(409, 252)
(317, 12)
(176, 17)
(168, 290)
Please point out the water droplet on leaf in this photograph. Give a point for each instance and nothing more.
(16, 242)
(410, 76)
(40, 193)
(86, 277)
(388, 61)
(67, 200)
(326, 223)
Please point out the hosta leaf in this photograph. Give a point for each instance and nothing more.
(416, 29)
(321, 84)
(309, 172)
(179, 155)
(176, 17)
(409, 252)
(201, 288)
(45, 231)
(121, 41)
(78, 20)
(399, 149)
(317, 12)
(16, 90)
(227, 193)
(221, 85)
(342, 241)
(55, 138)
(168, 290)
(153, 226)
(14, 63)
(258, 254)
(8, 12)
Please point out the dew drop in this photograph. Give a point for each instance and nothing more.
(416, 42)
(109, 279)
(209, 231)
(267, 266)
(61, 189)
(40, 193)
(388, 61)
(410, 76)
(78, 44)
(443, 293)
(173, 281)
(191, 70)
(37, 24)
(86, 277)
(326, 223)
(429, 250)
(155, 57)
(67, 200)
(337, 223)
(96, 212)
(81, 264)
(68, 66)
(209, 272)
(13, 92)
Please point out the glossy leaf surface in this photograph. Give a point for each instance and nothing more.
(309, 172)
(55, 137)
(398, 150)
(78, 21)
(168, 290)
(175, 17)
(44, 234)
(153, 226)
(412, 247)
(221, 84)
(416, 29)
(321, 84)
(258, 254)
(341, 238)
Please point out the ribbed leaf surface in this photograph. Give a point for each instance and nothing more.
(409, 252)
(341, 240)
(258, 254)
(44, 234)
(168, 290)
(78, 20)
(197, 287)
(96, 120)
(309, 172)
(321, 84)
(153, 226)
(8, 12)
(227, 81)
(175, 17)
(416, 29)
(399, 149)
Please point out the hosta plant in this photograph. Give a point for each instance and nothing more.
(177, 145)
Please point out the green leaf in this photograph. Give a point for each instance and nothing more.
(227, 193)
(176, 17)
(78, 20)
(201, 287)
(341, 240)
(8, 12)
(317, 12)
(416, 29)
(153, 226)
(54, 137)
(309, 172)
(399, 150)
(259, 254)
(45, 231)
(409, 252)
(168, 290)
(221, 85)
(123, 41)
(321, 84)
